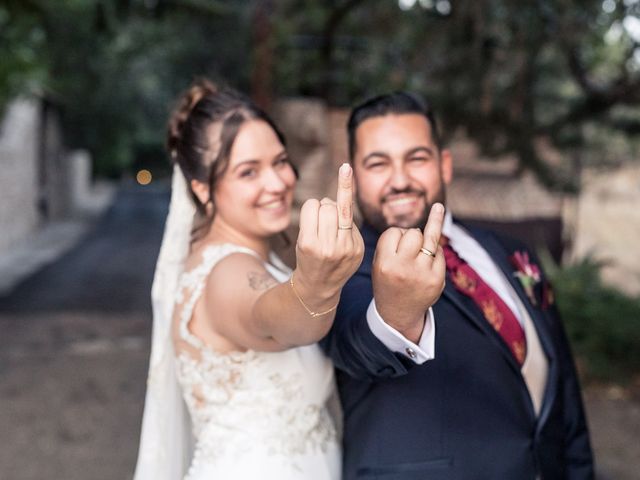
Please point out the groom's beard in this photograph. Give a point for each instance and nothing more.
(372, 214)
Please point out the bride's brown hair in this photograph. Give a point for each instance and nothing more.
(201, 133)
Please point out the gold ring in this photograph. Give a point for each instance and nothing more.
(342, 227)
(427, 252)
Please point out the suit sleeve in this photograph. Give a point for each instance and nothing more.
(351, 345)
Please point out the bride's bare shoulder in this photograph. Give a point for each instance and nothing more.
(238, 273)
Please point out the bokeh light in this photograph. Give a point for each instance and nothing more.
(144, 177)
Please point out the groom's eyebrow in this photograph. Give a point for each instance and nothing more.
(374, 155)
(412, 151)
(423, 149)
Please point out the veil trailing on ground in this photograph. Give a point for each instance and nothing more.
(165, 443)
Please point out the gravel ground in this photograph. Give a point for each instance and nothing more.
(72, 391)
(71, 406)
(614, 419)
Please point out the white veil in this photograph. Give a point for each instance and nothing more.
(166, 440)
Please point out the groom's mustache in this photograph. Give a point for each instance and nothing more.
(405, 191)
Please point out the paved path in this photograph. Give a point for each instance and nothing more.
(53, 239)
(109, 270)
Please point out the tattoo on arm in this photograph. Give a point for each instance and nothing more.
(261, 280)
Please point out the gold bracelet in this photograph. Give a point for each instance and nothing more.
(309, 311)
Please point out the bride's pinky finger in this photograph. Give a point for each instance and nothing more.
(327, 224)
(309, 220)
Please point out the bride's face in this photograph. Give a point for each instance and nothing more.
(255, 193)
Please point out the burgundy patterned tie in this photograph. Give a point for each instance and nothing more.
(497, 313)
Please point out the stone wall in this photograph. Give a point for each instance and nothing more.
(19, 175)
(305, 125)
(491, 193)
(608, 224)
(56, 169)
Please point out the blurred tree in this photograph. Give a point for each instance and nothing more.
(519, 77)
(113, 67)
(262, 46)
(22, 67)
(523, 78)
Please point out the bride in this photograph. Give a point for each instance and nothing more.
(234, 329)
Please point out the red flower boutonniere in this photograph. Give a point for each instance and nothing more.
(528, 273)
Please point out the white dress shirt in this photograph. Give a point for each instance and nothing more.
(477, 257)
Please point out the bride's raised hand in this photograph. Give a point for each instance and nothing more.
(329, 248)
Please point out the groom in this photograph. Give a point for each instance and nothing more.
(477, 384)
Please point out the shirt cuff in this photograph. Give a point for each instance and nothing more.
(398, 343)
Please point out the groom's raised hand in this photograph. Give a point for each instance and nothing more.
(408, 274)
(329, 248)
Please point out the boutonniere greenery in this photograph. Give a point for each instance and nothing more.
(528, 273)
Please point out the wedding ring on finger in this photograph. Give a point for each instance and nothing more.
(427, 252)
(345, 227)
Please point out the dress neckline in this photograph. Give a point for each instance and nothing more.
(192, 283)
(273, 260)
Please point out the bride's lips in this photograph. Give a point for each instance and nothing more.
(275, 206)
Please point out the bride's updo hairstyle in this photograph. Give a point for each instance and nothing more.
(201, 133)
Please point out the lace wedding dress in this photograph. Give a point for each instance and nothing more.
(255, 415)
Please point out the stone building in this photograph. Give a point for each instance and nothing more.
(608, 224)
(40, 181)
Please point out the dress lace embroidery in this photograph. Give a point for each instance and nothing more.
(243, 401)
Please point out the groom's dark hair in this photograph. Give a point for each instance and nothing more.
(397, 103)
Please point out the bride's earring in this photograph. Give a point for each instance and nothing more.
(210, 208)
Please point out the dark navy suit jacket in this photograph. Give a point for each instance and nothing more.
(467, 413)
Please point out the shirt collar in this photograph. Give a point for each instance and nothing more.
(447, 225)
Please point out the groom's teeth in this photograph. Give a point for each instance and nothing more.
(401, 201)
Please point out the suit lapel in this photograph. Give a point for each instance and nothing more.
(500, 256)
(467, 306)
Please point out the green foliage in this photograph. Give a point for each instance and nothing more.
(508, 73)
(112, 68)
(22, 67)
(603, 324)
(512, 75)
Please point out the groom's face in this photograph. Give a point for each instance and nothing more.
(399, 170)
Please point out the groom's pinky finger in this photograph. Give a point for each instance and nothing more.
(438, 266)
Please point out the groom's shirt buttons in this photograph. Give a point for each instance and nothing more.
(411, 352)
